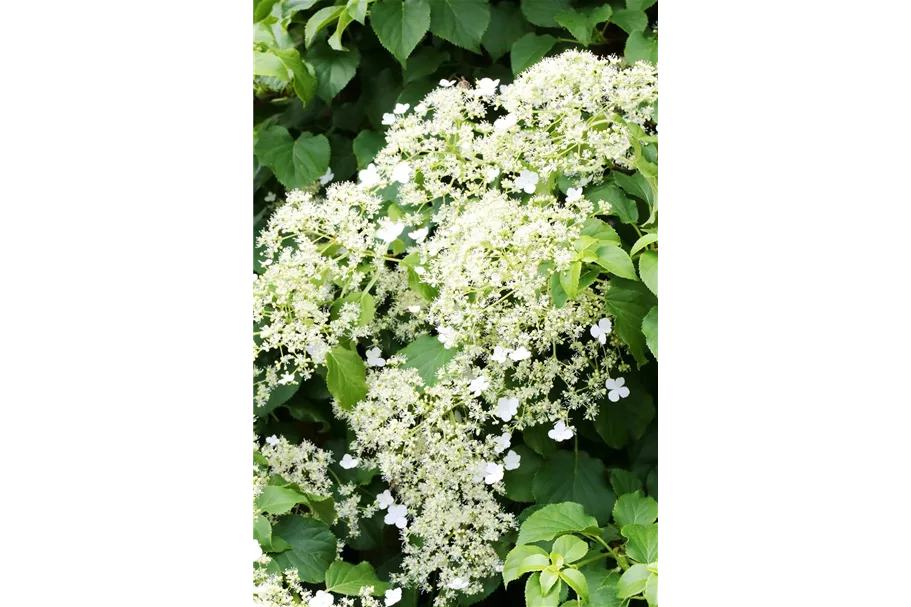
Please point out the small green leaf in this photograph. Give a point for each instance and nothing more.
(344, 578)
(650, 330)
(648, 270)
(636, 185)
(400, 25)
(529, 49)
(304, 82)
(554, 520)
(628, 302)
(358, 10)
(580, 478)
(543, 13)
(556, 291)
(602, 587)
(346, 377)
(335, 40)
(428, 355)
(548, 578)
(278, 500)
(615, 260)
(334, 69)
(570, 548)
(635, 509)
(643, 242)
(620, 204)
(624, 481)
(461, 22)
(576, 580)
(515, 557)
(267, 64)
(532, 562)
(534, 596)
(262, 532)
(569, 279)
(320, 20)
(651, 590)
(506, 26)
(633, 581)
(366, 145)
(312, 547)
(630, 20)
(643, 542)
(600, 231)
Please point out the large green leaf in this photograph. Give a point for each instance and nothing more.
(424, 63)
(312, 546)
(625, 421)
(616, 261)
(518, 482)
(641, 47)
(635, 509)
(630, 20)
(345, 578)
(651, 590)
(346, 376)
(620, 205)
(636, 185)
(581, 23)
(544, 12)
(506, 26)
(311, 156)
(650, 330)
(567, 477)
(366, 145)
(428, 355)
(628, 302)
(602, 587)
(462, 22)
(576, 580)
(529, 49)
(400, 25)
(554, 520)
(643, 542)
(624, 481)
(319, 20)
(570, 548)
(304, 83)
(515, 558)
(334, 69)
(278, 500)
(267, 64)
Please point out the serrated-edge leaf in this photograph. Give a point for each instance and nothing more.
(461, 22)
(346, 376)
(400, 26)
(428, 355)
(319, 20)
(648, 270)
(528, 50)
(635, 509)
(348, 579)
(555, 519)
(644, 241)
(650, 330)
(515, 558)
(633, 580)
(576, 580)
(615, 260)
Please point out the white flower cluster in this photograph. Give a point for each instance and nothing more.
(484, 229)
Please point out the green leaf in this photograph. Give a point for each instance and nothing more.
(556, 291)
(570, 548)
(641, 47)
(322, 508)
(262, 532)
(529, 49)
(428, 355)
(602, 587)
(637, 185)
(651, 590)
(261, 9)
(267, 64)
(320, 20)
(600, 230)
(576, 580)
(625, 421)
(632, 582)
(643, 242)
(278, 500)
(624, 481)
(295, 164)
(518, 482)
(630, 20)
(346, 377)
(620, 205)
(569, 279)
(334, 69)
(344, 578)
(543, 12)
(335, 40)
(635, 509)
(506, 26)
(615, 260)
(648, 270)
(462, 22)
(515, 558)
(554, 520)
(536, 437)
(304, 83)
(650, 330)
(400, 25)
(279, 396)
(534, 597)
(548, 578)
(363, 300)
(577, 24)
(366, 146)
(358, 10)
(533, 562)
(424, 63)
(643, 542)
(639, 5)
(312, 547)
(628, 302)
(566, 477)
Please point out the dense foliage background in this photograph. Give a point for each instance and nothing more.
(325, 74)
